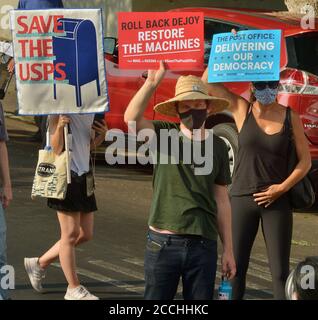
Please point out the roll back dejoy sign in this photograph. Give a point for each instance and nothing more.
(145, 38)
(59, 61)
(246, 56)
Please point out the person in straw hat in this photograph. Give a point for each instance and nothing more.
(188, 210)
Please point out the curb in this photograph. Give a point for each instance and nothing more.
(19, 118)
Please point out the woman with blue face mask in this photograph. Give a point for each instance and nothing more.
(265, 92)
(261, 180)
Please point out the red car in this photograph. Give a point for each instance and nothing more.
(298, 86)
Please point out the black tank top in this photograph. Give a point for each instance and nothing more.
(262, 158)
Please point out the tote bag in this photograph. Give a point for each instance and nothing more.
(50, 180)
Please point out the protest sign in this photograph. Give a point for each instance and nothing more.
(59, 61)
(247, 56)
(145, 38)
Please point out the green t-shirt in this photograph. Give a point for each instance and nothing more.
(183, 201)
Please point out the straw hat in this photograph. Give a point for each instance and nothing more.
(191, 88)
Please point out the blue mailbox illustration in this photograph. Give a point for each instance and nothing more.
(76, 47)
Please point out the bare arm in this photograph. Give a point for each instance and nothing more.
(238, 105)
(101, 129)
(56, 125)
(138, 104)
(303, 154)
(224, 220)
(6, 196)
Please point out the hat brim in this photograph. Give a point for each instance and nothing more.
(169, 107)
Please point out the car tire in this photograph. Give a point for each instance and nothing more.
(228, 133)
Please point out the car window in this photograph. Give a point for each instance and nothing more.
(303, 52)
(213, 27)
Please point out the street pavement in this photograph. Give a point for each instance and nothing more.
(111, 265)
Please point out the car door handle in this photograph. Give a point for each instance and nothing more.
(145, 75)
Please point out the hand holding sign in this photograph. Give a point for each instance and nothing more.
(63, 121)
(155, 76)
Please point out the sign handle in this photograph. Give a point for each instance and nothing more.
(67, 149)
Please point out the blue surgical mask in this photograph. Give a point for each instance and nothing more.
(266, 96)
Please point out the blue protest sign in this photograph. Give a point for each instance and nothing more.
(246, 56)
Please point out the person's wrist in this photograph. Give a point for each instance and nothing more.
(283, 187)
(150, 84)
(227, 249)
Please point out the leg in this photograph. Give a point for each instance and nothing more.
(162, 269)
(86, 228)
(70, 230)
(245, 222)
(3, 250)
(198, 276)
(86, 234)
(277, 226)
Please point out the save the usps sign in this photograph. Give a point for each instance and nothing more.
(59, 61)
(245, 56)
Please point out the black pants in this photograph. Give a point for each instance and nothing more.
(277, 223)
(171, 257)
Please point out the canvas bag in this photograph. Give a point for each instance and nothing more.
(50, 180)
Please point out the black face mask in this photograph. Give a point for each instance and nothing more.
(194, 118)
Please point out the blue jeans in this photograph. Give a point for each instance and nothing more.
(169, 257)
(3, 250)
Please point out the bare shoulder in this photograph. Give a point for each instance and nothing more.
(280, 108)
(297, 124)
(281, 111)
(243, 104)
(294, 115)
(240, 111)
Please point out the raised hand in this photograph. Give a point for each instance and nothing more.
(156, 76)
(63, 121)
(100, 127)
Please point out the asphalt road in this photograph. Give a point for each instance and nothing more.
(111, 266)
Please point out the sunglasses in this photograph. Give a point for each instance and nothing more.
(261, 85)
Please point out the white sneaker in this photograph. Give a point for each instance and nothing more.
(35, 273)
(79, 293)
